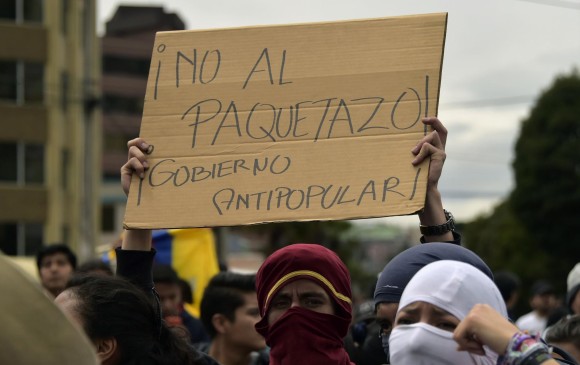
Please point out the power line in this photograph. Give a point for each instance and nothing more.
(472, 194)
(506, 100)
(556, 3)
(476, 161)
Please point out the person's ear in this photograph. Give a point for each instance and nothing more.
(106, 349)
(220, 323)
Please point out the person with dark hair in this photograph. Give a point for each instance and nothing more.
(95, 267)
(169, 291)
(122, 322)
(508, 284)
(123, 317)
(566, 335)
(362, 343)
(543, 301)
(229, 312)
(56, 264)
(186, 291)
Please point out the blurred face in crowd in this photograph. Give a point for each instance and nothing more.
(385, 317)
(170, 298)
(543, 303)
(241, 332)
(55, 271)
(300, 293)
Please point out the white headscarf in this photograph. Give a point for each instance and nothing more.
(454, 287)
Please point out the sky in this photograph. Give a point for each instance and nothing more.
(499, 56)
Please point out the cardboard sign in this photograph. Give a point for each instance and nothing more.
(287, 123)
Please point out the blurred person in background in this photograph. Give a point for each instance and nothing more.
(168, 287)
(363, 345)
(542, 302)
(95, 267)
(229, 312)
(56, 264)
(508, 284)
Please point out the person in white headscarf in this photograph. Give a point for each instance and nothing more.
(436, 299)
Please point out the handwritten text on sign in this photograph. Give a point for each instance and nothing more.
(298, 122)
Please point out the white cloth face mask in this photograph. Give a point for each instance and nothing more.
(423, 344)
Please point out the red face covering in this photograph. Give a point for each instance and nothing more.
(302, 336)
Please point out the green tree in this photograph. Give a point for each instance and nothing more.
(535, 231)
(546, 198)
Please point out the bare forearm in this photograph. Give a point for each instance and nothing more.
(137, 240)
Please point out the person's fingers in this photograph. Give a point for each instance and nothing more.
(135, 152)
(127, 170)
(438, 127)
(472, 347)
(427, 150)
(465, 337)
(141, 144)
(432, 138)
(133, 165)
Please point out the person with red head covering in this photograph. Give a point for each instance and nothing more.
(305, 300)
(304, 290)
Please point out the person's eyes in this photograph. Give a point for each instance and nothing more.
(405, 320)
(447, 326)
(280, 304)
(313, 302)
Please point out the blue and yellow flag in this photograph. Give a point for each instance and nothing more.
(191, 253)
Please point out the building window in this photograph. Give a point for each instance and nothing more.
(116, 142)
(33, 164)
(8, 80)
(121, 104)
(22, 82)
(108, 218)
(22, 10)
(33, 82)
(126, 66)
(8, 10)
(8, 162)
(21, 239)
(21, 163)
(64, 169)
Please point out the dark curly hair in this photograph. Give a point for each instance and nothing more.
(113, 307)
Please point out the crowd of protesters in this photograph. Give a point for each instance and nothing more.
(434, 303)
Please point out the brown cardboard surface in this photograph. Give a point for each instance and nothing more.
(34, 329)
(287, 123)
